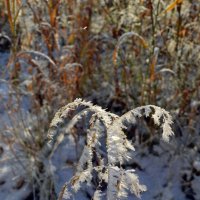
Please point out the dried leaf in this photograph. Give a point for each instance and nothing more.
(172, 5)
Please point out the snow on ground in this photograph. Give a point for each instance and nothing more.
(13, 185)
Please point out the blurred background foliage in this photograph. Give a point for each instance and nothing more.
(118, 54)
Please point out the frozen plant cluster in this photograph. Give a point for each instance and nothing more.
(107, 147)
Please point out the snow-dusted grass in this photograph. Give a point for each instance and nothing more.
(107, 147)
(117, 54)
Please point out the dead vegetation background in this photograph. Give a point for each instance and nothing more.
(117, 54)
